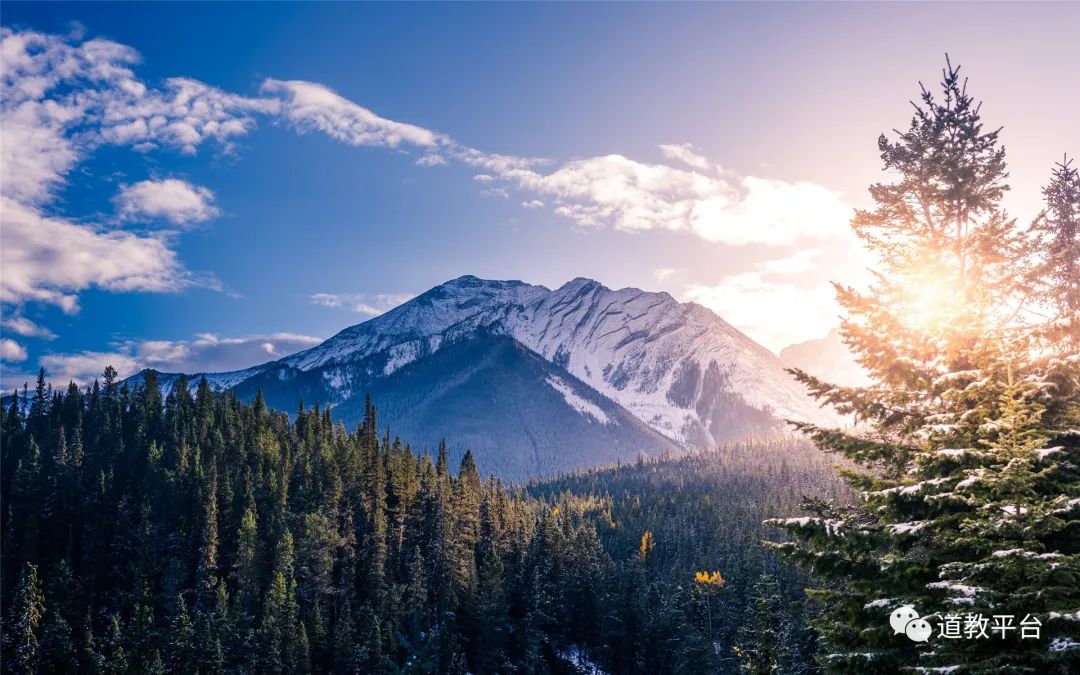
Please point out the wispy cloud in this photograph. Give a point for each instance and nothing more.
(623, 194)
(63, 97)
(25, 327)
(205, 352)
(370, 304)
(309, 106)
(664, 273)
(431, 160)
(610, 191)
(685, 153)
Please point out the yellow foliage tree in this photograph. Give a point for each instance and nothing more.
(647, 544)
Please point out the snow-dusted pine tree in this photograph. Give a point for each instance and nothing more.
(967, 442)
(1055, 249)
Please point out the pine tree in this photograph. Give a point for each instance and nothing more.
(25, 624)
(1055, 253)
(279, 623)
(957, 474)
(90, 659)
(760, 635)
(115, 660)
(182, 641)
(465, 507)
(206, 578)
(247, 578)
(488, 614)
(272, 627)
(172, 565)
(368, 656)
(142, 635)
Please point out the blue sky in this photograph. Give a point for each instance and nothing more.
(321, 162)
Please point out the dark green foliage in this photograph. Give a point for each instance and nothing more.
(200, 534)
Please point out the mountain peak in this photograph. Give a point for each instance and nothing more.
(471, 280)
(581, 282)
(678, 368)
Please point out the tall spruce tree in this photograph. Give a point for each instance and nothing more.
(1055, 249)
(760, 638)
(965, 442)
(24, 629)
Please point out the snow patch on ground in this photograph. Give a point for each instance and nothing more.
(1061, 644)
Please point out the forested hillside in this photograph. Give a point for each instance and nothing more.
(197, 533)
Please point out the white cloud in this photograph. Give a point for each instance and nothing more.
(371, 304)
(60, 99)
(171, 199)
(786, 299)
(205, 352)
(51, 259)
(684, 152)
(11, 350)
(309, 106)
(801, 260)
(773, 313)
(84, 367)
(620, 193)
(431, 160)
(26, 328)
(182, 115)
(609, 191)
(663, 273)
(37, 152)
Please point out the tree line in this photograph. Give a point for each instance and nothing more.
(196, 533)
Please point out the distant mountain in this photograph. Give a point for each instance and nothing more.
(536, 380)
(827, 358)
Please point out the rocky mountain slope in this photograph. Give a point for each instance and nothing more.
(628, 370)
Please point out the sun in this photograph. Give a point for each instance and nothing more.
(933, 301)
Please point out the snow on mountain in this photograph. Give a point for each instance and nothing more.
(678, 367)
(419, 326)
(576, 402)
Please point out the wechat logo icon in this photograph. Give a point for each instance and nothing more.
(907, 621)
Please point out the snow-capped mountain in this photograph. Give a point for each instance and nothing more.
(688, 377)
(827, 358)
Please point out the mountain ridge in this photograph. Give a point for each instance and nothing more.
(678, 368)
